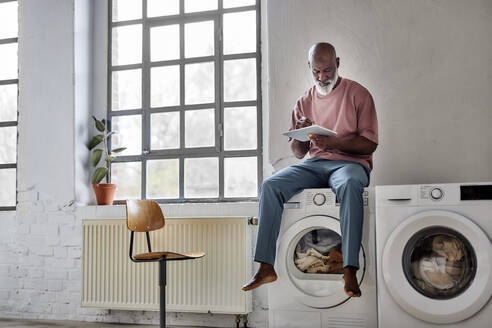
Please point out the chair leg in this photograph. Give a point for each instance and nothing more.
(162, 285)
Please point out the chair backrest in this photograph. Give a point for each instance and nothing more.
(143, 215)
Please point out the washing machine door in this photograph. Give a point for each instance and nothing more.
(437, 265)
(310, 263)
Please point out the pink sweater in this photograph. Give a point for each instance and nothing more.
(349, 110)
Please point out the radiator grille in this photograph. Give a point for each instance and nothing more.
(210, 284)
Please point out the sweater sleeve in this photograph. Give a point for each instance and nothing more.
(367, 122)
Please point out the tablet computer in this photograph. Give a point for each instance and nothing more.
(302, 133)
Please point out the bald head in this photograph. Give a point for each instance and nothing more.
(323, 63)
(323, 49)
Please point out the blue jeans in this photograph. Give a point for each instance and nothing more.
(346, 179)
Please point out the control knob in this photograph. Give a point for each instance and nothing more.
(319, 199)
(436, 193)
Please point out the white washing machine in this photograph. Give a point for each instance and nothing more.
(434, 255)
(309, 291)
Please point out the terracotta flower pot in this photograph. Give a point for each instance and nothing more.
(104, 193)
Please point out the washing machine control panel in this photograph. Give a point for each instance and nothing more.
(325, 197)
(320, 198)
(431, 192)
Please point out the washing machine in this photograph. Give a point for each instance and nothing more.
(434, 255)
(309, 291)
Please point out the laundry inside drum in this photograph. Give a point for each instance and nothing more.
(440, 264)
(319, 252)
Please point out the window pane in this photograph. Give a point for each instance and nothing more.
(127, 89)
(8, 20)
(238, 3)
(201, 177)
(8, 102)
(199, 39)
(162, 7)
(164, 43)
(126, 10)
(7, 192)
(127, 45)
(240, 177)
(129, 134)
(8, 62)
(128, 178)
(199, 5)
(200, 128)
(240, 79)
(240, 128)
(8, 145)
(239, 32)
(199, 83)
(164, 86)
(163, 178)
(164, 130)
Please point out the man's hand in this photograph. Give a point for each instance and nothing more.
(303, 122)
(324, 142)
(300, 148)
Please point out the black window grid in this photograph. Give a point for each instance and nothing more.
(146, 110)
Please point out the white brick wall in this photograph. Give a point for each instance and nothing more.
(40, 274)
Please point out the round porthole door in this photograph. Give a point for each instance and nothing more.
(437, 266)
(311, 263)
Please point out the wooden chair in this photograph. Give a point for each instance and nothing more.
(145, 216)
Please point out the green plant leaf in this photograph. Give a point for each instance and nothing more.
(100, 126)
(118, 150)
(103, 121)
(99, 174)
(109, 159)
(96, 156)
(95, 141)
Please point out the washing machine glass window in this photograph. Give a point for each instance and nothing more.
(439, 262)
(319, 252)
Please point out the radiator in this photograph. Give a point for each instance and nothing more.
(110, 280)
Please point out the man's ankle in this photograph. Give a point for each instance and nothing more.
(350, 269)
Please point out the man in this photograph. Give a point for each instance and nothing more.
(342, 162)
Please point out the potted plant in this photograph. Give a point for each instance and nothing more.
(104, 191)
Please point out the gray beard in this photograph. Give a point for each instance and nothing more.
(324, 90)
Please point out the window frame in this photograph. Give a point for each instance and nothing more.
(216, 151)
(11, 123)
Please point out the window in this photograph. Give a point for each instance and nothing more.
(8, 104)
(184, 81)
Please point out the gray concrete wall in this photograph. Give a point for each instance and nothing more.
(427, 63)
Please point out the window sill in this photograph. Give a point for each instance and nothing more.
(173, 210)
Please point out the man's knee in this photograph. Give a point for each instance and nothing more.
(354, 182)
(270, 184)
(354, 177)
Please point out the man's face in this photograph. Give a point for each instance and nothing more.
(324, 68)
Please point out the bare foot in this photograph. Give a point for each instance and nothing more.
(350, 281)
(265, 274)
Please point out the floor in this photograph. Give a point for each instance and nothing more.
(18, 323)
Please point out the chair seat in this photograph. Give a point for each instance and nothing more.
(169, 256)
